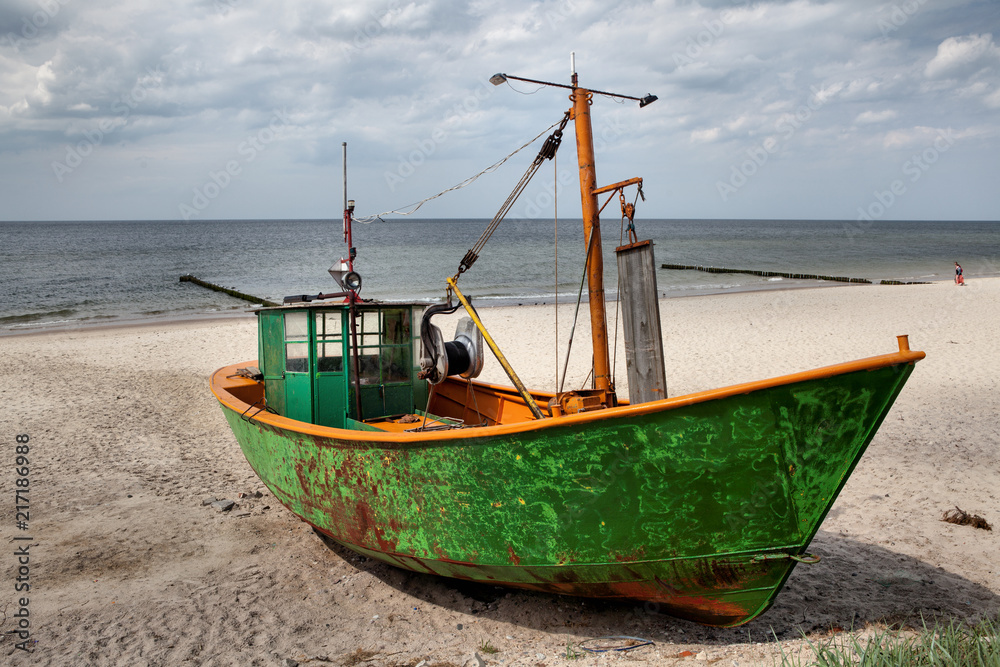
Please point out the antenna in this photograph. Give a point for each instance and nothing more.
(572, 63)
(348, 218)
(343, 271)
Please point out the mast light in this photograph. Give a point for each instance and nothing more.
(499, 78)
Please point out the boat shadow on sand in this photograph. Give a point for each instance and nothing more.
(855, 585)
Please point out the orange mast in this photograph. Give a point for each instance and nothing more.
(580, 113)
(592, 234)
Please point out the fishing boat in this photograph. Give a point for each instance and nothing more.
(363, 421)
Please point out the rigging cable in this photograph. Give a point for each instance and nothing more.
(618, 298)
(576, 315)
(412, 208)
(547, 152)
(521, 92)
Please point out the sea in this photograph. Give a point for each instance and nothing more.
(69, 274)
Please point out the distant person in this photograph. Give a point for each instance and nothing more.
(959, 278)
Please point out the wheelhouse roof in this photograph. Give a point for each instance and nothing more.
(343, 305)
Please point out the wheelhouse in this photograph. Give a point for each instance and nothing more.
(306, 358)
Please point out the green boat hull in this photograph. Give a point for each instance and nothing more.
(699, 510)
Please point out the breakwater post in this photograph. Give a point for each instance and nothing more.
(225, 290)
(780, 274)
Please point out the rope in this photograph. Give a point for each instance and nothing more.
(469, 390)
(633, 642)
(618, 298)
(430, 395)
(579, 299)
(547, 152)
(412, 208)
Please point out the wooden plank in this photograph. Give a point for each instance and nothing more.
(647, 379)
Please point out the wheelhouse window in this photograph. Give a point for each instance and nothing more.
(297, 342)
(386, 346)
(396, 346)
(329, 342)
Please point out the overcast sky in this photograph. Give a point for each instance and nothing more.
(209, 109)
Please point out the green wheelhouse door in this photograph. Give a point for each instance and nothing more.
(298, 383)
(271, 356)
(330, 399)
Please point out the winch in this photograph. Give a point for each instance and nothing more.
(462, 356)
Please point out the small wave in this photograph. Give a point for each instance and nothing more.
(30, 318)
(46, 323)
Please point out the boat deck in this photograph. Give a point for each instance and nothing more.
(411, 422)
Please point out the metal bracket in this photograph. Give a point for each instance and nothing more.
(263, 408)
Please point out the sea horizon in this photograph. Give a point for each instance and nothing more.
(73, 273)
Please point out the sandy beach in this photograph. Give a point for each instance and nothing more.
(129, 566)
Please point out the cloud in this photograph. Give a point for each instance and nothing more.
(706, 136)
(184, 84)
(993, 99)
(963, 56)
(914, 137)
(871, 117)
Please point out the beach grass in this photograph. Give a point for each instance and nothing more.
(953, 645)
(486, 647)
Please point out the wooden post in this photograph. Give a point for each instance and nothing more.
(647, 379)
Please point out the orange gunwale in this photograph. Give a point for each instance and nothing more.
(222, 385)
